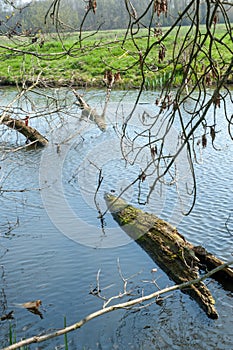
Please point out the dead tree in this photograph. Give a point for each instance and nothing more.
(170, 250)
(32, 135)
(90, 113)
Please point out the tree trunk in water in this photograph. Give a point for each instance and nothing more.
(168, 249)
(90, 113)
(30, 133)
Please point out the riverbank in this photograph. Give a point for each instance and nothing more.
(82, 61)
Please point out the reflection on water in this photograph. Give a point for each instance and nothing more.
(39, 262)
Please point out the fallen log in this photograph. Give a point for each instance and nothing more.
(90, 113)
(31, 134)
(167, 247)
(210, 262)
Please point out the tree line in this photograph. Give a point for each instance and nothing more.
(23, 18)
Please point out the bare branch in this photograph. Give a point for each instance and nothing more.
(128, 304)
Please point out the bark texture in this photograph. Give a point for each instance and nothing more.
(30, 133)
(169, 249)
(90, 113)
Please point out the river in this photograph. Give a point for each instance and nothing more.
(58, 244)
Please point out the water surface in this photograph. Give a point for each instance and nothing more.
(40, 261)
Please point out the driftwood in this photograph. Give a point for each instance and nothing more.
(32, 135)
(225, 276)
(169, 249)
(90, 113)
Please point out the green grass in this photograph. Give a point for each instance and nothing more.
(13, 340)
(85, 65)
(65, 336)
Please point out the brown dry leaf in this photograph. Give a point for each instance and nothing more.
(33, 307)
(32, 304)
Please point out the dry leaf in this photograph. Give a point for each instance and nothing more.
(32, 304)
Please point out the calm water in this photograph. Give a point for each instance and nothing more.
(58, 245)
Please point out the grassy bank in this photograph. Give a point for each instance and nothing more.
(67, 62)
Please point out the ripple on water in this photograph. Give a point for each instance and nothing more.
(42, 263)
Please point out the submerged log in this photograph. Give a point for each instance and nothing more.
(31, 134)
(90, 113)
(167, 247)
(210, 262)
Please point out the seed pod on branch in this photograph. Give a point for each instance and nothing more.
(92, 5)
(109, 78)
(158, 32)
(154, 151)
(217, 100)
(204, 141)
(162, 52)
(215, 19)
(208, 79)
(160, 6)
(212, 133)
(142, 176)
(140, 59)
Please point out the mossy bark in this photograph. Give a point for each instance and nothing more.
(167, 247)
